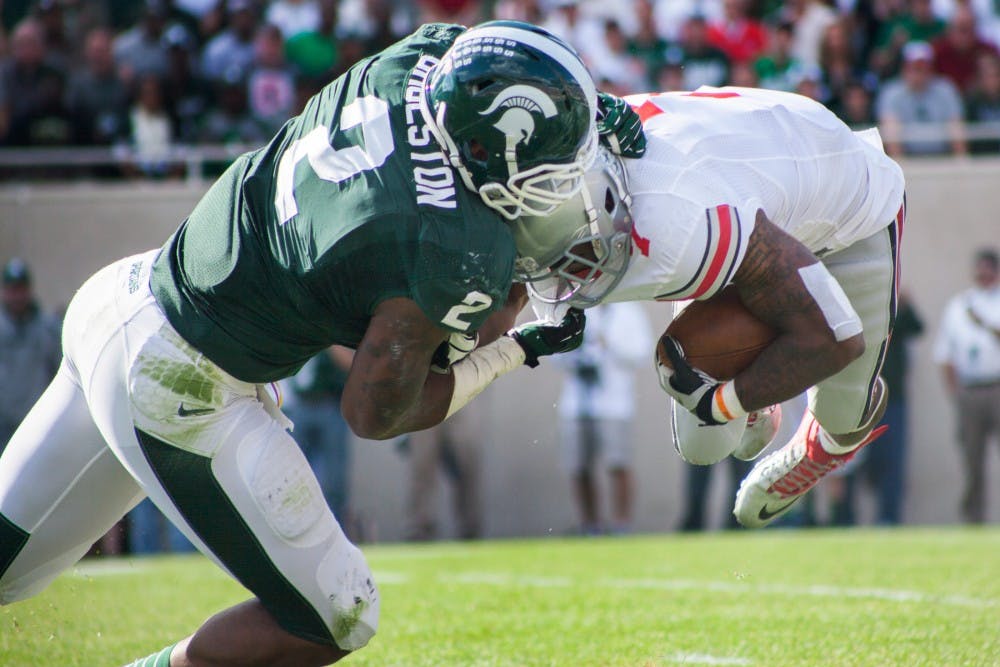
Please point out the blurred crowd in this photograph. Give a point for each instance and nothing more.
(145, 77)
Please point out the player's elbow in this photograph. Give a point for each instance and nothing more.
(843, 352)
(369, 424)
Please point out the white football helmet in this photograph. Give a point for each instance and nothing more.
(577, 254)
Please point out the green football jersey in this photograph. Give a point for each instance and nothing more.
(350, 204)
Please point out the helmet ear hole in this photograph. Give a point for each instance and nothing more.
(609, 200)
(481, 85)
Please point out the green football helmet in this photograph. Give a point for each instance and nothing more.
(580, 252)
(514, 109)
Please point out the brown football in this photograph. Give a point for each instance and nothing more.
(718, 335)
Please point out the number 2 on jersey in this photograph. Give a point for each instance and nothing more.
(336, 164)
(472, 303)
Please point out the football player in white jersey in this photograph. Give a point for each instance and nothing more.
(772, 193)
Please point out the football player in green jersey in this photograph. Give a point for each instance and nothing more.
(376, 219)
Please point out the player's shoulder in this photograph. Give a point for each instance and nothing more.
(430, 38)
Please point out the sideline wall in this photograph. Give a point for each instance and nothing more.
(67, 232)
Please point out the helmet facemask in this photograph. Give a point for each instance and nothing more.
(513, 107)
(579, 253)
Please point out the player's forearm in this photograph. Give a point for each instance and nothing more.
(783, 284)
(786, 368)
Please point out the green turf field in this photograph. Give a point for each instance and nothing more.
(774, 598)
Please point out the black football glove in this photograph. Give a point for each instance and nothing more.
(692, 388)
(619, 126)
(454, 349)
(540, 339)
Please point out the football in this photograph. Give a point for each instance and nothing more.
(719, 335)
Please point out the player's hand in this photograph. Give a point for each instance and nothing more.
(619, 126)
(692, 388)
(457, 347)
(540, 339)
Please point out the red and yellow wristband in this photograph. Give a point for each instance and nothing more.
(726, 404)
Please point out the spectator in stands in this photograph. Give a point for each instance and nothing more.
(921, 113)
(957, 51)
(21, 81)
(149, 532)
(234, 46)
(916, 23)
(453, 447)
(317, 53)
(625, 72)
(884, 467)
(839, 59)
(968, 350)
(292, 17)
(47, 121)
(810, 19)
(529, 11)
(743, 74)
(229, 120)
(596, 412)
(856, 105)
(565, 20)
(140, 51)
(30, 348)
(646, 43)
(775, 67)
(670, 76)
(466, 12)
(151, 133)
(697, 482)
(271, 86)
(670, 16)
(186, 93)
(96, 96)
(808, 80)
(741, 37)
(982, 106)
(60, 46)
(701, 63)
(313, 404)
(987, 16)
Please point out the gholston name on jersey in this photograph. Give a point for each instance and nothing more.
(432, 174)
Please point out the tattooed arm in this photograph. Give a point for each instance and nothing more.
(805, 351)
(389, 389)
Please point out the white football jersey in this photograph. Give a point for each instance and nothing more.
(717, 155)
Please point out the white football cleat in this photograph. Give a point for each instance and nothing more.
(784, 476)
(762, 426)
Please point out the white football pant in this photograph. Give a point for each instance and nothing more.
(136, 411)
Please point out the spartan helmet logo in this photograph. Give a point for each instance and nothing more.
(520, 101)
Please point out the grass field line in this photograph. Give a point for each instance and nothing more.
(706, 659)
(108, 567)
(812, 590)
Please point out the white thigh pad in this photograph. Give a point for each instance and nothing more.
(831, 299)
(284, 487)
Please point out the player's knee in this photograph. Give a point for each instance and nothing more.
(704, 445)
(701, 455)
(350, 588)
